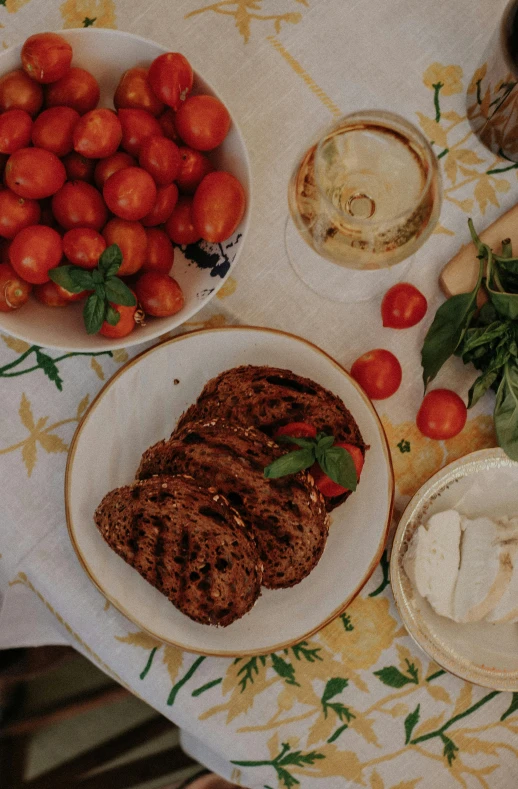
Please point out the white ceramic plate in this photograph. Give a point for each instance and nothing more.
(140, 405)
(201, 269)
(482, 483)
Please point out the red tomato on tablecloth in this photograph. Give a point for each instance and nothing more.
(403, 306)
(442, 414)
(378, 372)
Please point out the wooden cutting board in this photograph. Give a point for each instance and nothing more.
(461, 273)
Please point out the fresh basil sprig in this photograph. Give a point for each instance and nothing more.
(486, 338)
(334, 461)
(106, 287)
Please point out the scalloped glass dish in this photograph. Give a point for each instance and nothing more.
(481, 483)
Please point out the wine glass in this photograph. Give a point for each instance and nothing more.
(362, 199)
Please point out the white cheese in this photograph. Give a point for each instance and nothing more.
(432, 560)
(467, 569)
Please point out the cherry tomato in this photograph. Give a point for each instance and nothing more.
(325, 484)
(15, 130)
(78, 204)
(159, 294)
(14, 291)
(179, 227)
(297, 430)
(159, 252)
(166, 199)
(78, 168)
(34, 173)
(110, 165)
(34, 251)
(403, 306)
(83, 246)
(20, 92)
(49, 293)
(125, 325)
(78, 89)
(442, 414)
(132, 240)
(137, 126)
(168, 127)
(170, 76)
(194, 167)
(161, 158)
(46, 57)
(202, 122)
(16, 213)
(218, 206)
(130, 193)
(378, 372)
(134, 92)
(97, 134)
(53, 130)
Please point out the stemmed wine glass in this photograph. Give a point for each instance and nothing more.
(362, 199)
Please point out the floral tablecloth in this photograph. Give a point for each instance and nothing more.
(358, 704)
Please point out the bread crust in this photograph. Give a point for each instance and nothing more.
(268, 398)
(287, 516)
(188, 543)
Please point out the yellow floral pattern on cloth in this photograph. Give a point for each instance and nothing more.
(87, 13)
(246, 12)
(473, 178)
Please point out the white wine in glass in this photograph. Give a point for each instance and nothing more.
(366, 196)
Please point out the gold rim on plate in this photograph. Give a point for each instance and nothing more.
(117, 604)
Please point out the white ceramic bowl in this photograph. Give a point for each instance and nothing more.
(486, 653)
(107, 54)
(142, 404)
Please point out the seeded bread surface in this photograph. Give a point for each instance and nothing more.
(188, 543)
(286, 515)
(268, 398)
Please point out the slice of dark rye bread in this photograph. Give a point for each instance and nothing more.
(188, 543)
(269, 397)
(287, 515)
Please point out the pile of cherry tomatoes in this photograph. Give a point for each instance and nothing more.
(79, 179)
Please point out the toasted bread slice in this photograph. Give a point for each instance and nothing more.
(268, 398)
(188, 543)
(287, 515)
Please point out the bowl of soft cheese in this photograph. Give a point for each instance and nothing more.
(454, 568)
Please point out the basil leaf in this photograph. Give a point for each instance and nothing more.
(447, 330)
(300, 442)
(110, 258)
(119, 293)
(480, 386)
(62, 275)
(325, 442)
(113, 316)
(290, 463)
(100, 291)
(81, 278)
(338, 464)
(506, 304)
(93, 313)
(487, 314)
(482, 336)
(97, 277)
(506, 411)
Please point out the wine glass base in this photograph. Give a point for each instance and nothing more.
(334, 282)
